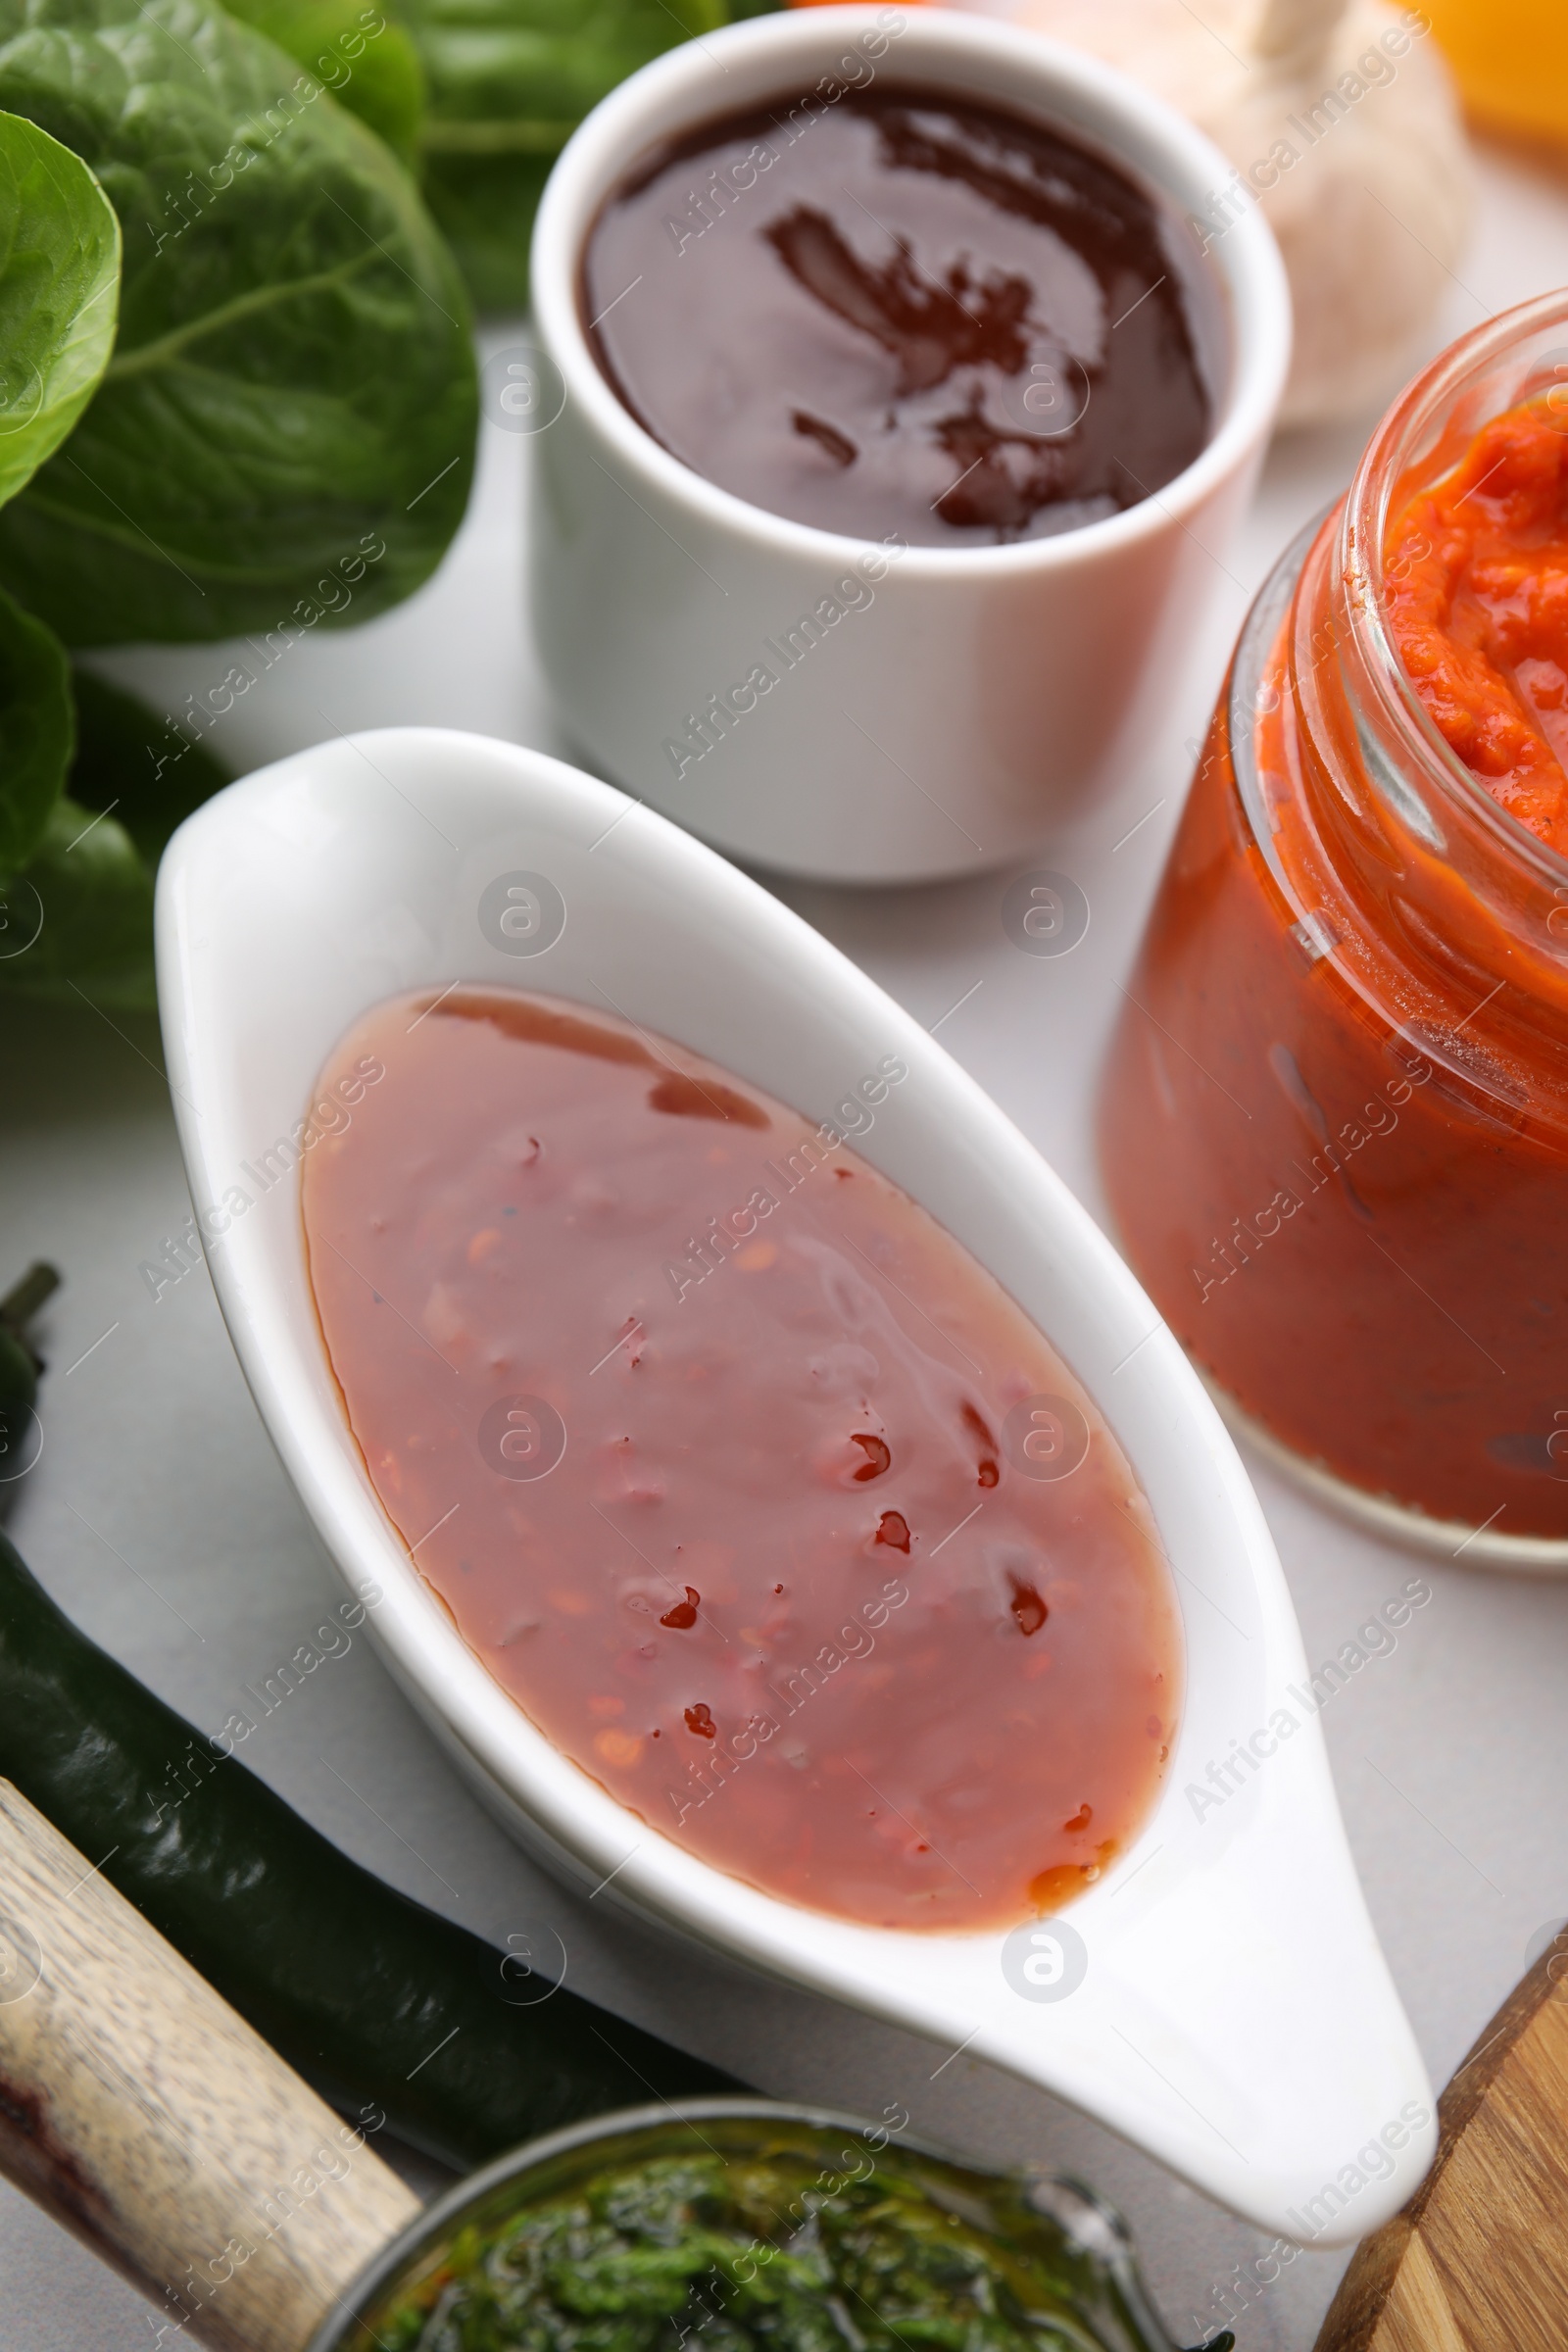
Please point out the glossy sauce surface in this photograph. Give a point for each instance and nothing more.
(891, 314)
(761, 1498)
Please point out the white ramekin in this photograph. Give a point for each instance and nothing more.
(948, 724)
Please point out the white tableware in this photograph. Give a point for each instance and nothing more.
(1219, 1998)
(977, 694)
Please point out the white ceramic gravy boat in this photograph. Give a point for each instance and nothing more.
(1235, 2015)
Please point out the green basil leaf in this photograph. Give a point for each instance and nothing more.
(59, 288)
(87, 897)
(81, 909)
(35, 732)
(369, 66)
(486, 207)
(142, 767)
(509, 82)
(294, 377)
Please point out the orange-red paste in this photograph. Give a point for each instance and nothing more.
(1476, 572)
(1366, 1253)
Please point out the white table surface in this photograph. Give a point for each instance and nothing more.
(160, 1518)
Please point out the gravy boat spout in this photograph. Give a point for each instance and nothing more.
(1218, 1997)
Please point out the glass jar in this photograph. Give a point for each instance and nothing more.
(1334, 1125)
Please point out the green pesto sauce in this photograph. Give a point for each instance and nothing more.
(752, 2254)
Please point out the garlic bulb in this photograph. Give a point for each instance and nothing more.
(1339, 119)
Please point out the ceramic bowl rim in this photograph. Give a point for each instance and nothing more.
(687, 82)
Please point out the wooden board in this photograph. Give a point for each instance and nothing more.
(1478, 2260)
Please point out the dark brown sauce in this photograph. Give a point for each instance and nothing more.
(897, 315)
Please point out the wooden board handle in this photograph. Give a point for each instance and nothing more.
(139, 2110)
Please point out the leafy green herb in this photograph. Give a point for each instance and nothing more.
(59, 277)
(59, 286)
(759, 2251)
(294, 368)
(144, 769)
(87, 885)
(509, 82)
(77, 911)
(35, 731)
(369, 66)
(96, 900)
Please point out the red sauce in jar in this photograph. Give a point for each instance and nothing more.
(1476, 602)
(761, 1498)
(1330, 1126)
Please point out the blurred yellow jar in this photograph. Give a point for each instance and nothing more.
(1510, 58)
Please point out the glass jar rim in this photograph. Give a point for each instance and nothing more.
(1406, 433)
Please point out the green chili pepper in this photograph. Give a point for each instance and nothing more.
(373, 1998)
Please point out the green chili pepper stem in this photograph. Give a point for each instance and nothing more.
(23, 1300)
